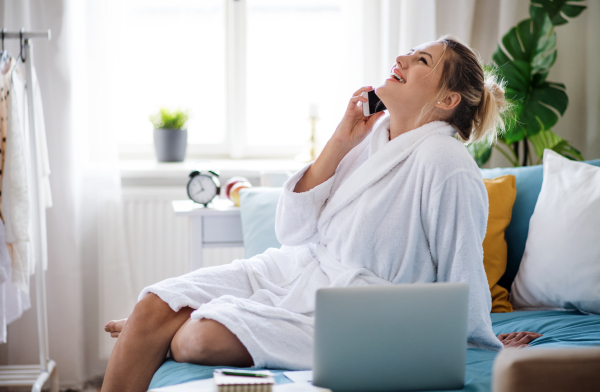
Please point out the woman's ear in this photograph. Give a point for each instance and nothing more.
(451, 101)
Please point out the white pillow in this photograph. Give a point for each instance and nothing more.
(561, 264)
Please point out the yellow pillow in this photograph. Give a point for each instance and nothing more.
(501, 195)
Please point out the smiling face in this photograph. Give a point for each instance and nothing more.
(414, 80)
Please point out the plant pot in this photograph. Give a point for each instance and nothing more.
(170, 144)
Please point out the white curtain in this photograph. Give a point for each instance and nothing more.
(106, 247)
(402, 24)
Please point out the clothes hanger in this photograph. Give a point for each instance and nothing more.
(20, 56)
(21, 46)
(4, 56)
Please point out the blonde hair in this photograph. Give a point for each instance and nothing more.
(479, 115)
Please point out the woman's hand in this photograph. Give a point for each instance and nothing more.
(354, 126)
(352, 130)
(518, 339)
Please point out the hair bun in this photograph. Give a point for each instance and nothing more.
(488, 116)
(478, 115)
(496, 90)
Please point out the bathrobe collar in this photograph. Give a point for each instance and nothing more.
(381, 135)
(384, 155)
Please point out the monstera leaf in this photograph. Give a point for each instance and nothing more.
(548, 139)
(557, 10)
(481, 152)
(528, 52)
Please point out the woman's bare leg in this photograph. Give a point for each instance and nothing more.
(142, 344)
(208, 342)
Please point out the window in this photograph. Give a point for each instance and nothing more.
(175, 57)
(250, 71)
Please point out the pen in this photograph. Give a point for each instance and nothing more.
(244, 374)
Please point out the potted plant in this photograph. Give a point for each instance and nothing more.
(170, 135)
(524, 60)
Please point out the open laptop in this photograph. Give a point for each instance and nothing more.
(391, 338)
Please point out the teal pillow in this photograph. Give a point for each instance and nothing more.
(257, 209)
(529, 185)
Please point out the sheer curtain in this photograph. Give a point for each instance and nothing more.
(104, 249)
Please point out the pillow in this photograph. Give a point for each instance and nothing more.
(257, 210)
(502, 192)
(529, 184)
(561, 264)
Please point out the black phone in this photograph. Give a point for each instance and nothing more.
(373, 104)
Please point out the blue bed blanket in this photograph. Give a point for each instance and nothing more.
(559, 329)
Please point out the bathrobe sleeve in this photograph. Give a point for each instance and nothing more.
(298, 213)
(455, 221)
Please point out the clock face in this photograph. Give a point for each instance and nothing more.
(202, 189)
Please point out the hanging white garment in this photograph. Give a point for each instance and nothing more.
(13, 301)
(408, 210)
(5, 262)
(5, 63)
(16, 205)
(17, 180)
(42, 145)
(17, 258)
(5, 267)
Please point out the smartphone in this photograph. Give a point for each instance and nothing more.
(373, 104)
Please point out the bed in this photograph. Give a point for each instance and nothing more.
(559, 328)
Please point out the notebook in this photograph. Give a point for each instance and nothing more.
(208, 385)
(240, 383)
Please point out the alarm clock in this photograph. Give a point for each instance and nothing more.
(203, 186)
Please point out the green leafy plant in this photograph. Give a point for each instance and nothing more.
(546, 139)
(168, 119)
(524, 60)
(481, 152)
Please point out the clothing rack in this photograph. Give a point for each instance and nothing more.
(34, 375)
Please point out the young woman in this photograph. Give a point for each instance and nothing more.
(391, 199)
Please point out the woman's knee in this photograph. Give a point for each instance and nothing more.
(150, 313)
(190, 344)
(208, 342)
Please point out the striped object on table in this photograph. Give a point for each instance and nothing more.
(239, 383)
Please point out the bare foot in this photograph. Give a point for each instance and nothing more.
(115, 327)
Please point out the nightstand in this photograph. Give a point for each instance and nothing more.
(219, 225)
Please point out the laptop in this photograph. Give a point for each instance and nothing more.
(391, 338)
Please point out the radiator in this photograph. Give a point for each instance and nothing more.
(158, 245)
(158, 241)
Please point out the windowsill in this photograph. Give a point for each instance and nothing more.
(153, 173)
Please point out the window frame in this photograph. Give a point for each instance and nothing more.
(236, 145)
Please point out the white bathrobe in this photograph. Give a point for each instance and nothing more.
(413, 209)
